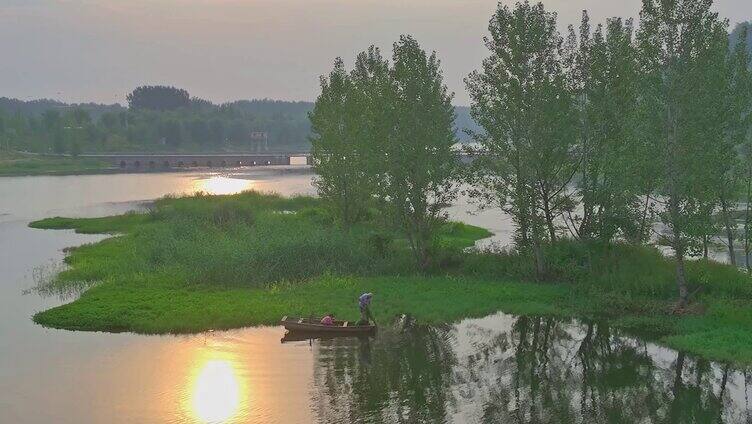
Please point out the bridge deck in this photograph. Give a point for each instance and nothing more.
(181, 160)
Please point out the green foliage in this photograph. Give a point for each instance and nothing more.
(521, 99)
(682, 49)
(385, 133)
(657, 125)
(643, 128)
(158, 97)
(416, 167)
(45, 127)
(159, 304)
(104, 225)
(728, 345)
(249, 239)
(210, 262)
(338, 147)
(624, 270)
(602, 73)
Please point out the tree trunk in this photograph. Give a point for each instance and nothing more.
(673, 201)
(729, 231)
(549, 219)
(540, 266)
(412, 239)
(523, 226)
(644, 218)
(421, 245)
(522, 201)
(524, 232)
(681, 281)
(746, 221)
(678, 245)
(585, 230)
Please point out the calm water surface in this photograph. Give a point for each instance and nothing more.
(496, 369)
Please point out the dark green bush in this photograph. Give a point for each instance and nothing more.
(381, 243)
(629, 271)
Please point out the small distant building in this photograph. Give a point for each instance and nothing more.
(259, 141)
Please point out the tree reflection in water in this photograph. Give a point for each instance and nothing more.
(399, 376)
(503, 369)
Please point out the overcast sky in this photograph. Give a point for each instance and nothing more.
(98, 50)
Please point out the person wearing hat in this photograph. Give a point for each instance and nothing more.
(364, 302)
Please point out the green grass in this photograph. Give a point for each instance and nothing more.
(17, 164)
(216, 262)
(160, 304)
(104, 225)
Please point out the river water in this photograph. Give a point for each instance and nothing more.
(497, 369)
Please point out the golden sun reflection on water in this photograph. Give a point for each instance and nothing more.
(216, 393)
(238, 376)
(218, 184)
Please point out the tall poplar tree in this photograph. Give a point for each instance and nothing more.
(740, 124)
(376, 93)
(337, 146)
(602, 71)
(416, 168)
(520, 98)
(678, 42)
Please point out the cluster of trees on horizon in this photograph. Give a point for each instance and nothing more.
(611, 133)
(160, 118)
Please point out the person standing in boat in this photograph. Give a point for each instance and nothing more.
(364, 302)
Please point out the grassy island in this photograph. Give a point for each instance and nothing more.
(216, 262)
(20, 164)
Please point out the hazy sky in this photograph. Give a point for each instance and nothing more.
(98, 50)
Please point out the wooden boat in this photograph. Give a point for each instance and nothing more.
(300, 336)
(313, 325)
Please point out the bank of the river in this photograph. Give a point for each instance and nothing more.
(22, 164)
(215, 262)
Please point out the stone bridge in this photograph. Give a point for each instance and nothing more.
(155, 161)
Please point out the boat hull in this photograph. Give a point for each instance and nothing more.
(314, 326)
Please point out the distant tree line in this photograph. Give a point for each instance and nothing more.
(607, 134)
(157, 119)
(160, 118)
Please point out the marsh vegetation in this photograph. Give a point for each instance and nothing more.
(211, 262)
